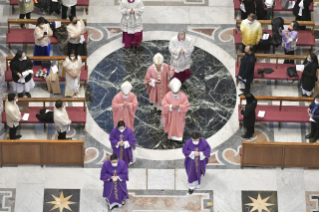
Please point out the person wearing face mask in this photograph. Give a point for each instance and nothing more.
(13, 115)
(156, 80)
(313, 112)
(246, 70)
(65, 6)
(42, 35)
(289, 40)
(301, 11)
(76, 31)
(251, 31)
(249, 115)
(175, 106)
(73, 66)
(123, 142)
(61, 119)
(114, 173)
(309, 75)
(124, 106)
(197, 153)
(21, 68)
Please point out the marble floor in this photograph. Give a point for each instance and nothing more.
(157, 180)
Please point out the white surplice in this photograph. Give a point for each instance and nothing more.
(131, 23)
(179, 61)
(61, 119)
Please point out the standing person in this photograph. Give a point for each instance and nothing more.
(197, 153)
(21, 68)
(309, 75)
(114, 173)
(131, 23)
(313, 112)
(65, 6)
(76, 30)
(181, 48)
(61, 119)
(124, 106)
(25, 9)
(175, 106)
(249, 114)
(42, 35)
(157, 78)
(73, 66)
(13, 116)
(123, 142)
(249, 7)
(289, 40)
(260, 10)
(301, 11)
(246, 70)
(251, 31)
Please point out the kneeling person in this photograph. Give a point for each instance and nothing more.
(61, 119)
(13, 115)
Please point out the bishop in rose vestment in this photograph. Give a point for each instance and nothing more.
(114, 173)
(124, 106)
(123, 142)
(175, 105)
(131, 23)
(157, 78)
(197, 153)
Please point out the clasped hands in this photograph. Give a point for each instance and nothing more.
(197, 153)
(114, 178)
(181, 51)
(132, 11)
(125, 104)
(121, 143)
(175, 106)
(309, 113)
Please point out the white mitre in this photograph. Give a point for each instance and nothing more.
(126, 87)
(158, 59)
(175, 85)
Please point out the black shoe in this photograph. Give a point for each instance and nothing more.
(23, 26)
(58, 12)
(309, 136)
(242, 90)
(123, 203)
(245, 136)
(115, 206)
(18, 136)
(190, 191)
(313, 140)
(20, 95)
(28, 94)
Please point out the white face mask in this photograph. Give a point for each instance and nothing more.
(195, 142)
(115, 164)
(64, 107)
(16, 100)
(72, 58)
(248, 21)
(308, 59)
(42, 26)
(25, 58)
(316, 102)
(121, 130)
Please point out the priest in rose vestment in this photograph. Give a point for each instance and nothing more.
(175, 106)
(124, 106)
(197, 153)
(123, 142)
(157, 78)
(131, 23)
(114, 173)
(181, 48)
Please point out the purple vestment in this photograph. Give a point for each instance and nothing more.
(122, 152)
(195, 168)
(115, 192)
(293, 35)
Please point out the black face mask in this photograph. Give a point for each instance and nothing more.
(289, 29)
(75, 22)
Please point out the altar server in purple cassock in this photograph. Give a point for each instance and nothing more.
(197, 153)
(123, 142)
(114, 173)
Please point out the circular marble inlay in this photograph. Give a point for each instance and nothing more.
(211, 92)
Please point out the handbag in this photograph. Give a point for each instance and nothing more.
(292, 72)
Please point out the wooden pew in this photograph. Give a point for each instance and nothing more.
(279, 113)
(41, 152)
(280, 70)
(77, 114)
(305, 37)
(14, 34)
(8, 74)
(280, 154)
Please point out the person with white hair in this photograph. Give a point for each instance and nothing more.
(124, 106)
(175, 106)
(157, 77)
(181, 48)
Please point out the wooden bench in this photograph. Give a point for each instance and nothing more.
(81, 3)
(279, 113)
(77, 114)
(41, 152)
(8, 73)
(276, 8)
(14, 34)
(280, 70)
(305, 37)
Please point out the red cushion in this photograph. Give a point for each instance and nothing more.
(83, 3)
(287, 114)
(83, 77)
(14, 2)
(14, 37)
(76, 114)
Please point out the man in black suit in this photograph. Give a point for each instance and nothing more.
(246, 70)
(313, 112)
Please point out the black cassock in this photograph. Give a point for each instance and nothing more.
(309, 75)
(18, 66)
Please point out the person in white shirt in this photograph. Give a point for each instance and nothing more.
(61, 119)
(65, 6)
(13, 115)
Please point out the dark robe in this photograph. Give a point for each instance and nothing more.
(249, 114)
(309, 75)
(306, 15)
(249, 6)
(18, 66)
(260, 11)
(247, 67)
